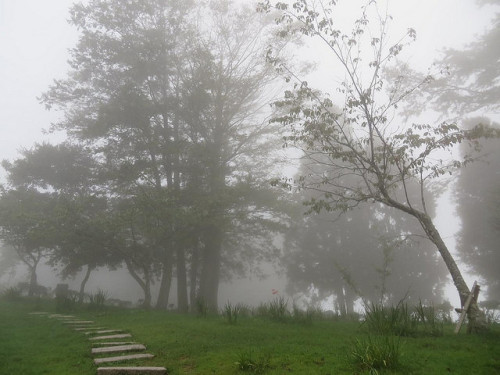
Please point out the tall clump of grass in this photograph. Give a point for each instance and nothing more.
(305, 316)
(391, 320)
(97, 300)
(375, 353)
(201, 307)
(278, 309)
(429, 319)
(231, 312)
(248, 362)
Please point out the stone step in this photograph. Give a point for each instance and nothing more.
(131, 370)
(113, 343)
(122, 358)
(121, 336)
(78, 322)
(87, 328)
(38, 313)
(119, 348)
(104, 331)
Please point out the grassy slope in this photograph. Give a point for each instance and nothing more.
(33, 345)
(190, 345)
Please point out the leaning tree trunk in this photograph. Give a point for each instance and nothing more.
(144, 284)
(81, 293)
(477, 318)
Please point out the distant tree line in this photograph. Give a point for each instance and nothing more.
(172, 146)
(168, 151)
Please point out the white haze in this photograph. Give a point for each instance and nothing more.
(35, 38)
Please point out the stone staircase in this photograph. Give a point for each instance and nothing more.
(121, 351)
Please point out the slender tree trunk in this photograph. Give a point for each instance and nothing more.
(182, 298)
(33, 281)
(193, 277)
(340, 301)
(81, 294)
(166, 282)
(210, 276)
(147, 290)
(349, 300)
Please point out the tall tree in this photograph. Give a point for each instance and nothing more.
(69, 172)
(170, 107)
(25, 225)
(367, 141)
(121, 97)
(228, 125)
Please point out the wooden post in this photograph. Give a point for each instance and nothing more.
(472, 297)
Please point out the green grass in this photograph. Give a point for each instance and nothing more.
(34, 345)
(208, 345)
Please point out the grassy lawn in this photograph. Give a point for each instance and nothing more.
(195, 345)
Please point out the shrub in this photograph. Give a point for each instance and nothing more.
(12, 294)
(66, 303)
(375, 353)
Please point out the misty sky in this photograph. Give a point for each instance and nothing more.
(35, 37)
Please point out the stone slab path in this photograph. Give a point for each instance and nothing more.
(131, 370)
(100, 332)
(87, 328)
(120, 336)
(83, 326)
(98, 361)
(113, 343)
(119, 348)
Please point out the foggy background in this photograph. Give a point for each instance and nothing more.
(35, 38)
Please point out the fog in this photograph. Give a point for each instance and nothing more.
(259, 249)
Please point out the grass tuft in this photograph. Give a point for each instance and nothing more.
(97, 300)
(231, 312)
(375, 353)
(391, 320)
(247, 362)
(278, 309)
(201, 307)
(429, 319)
